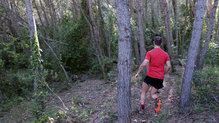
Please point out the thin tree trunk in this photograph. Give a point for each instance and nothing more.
(1, 96)
(192, 55)
(134, 34)
(192, 7)
(217, 29)
(184, 31)
(124, 61)
(167, 24)
(141, 33)
(152, 15)
(209, 32)
(97, 39)
(33, 35)
(60, 10)
(44, 13)
(53, 52)
(175, 8)
(38, 12)
(104, 29)
(77, 10)
(132, 8)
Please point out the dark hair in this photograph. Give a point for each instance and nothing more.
(157, 40)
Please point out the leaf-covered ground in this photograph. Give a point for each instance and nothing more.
(94, 101)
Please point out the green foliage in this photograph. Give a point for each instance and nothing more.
(71, 48)
(205, 87)
(12, 54)
(16, 83)
(212, 56)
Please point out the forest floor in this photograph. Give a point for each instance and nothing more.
(94, 101)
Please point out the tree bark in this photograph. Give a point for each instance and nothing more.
(192, 7)
(134, 34)
(44, 13)
(1, 96)
(217, 29)
(153, 15)
(60, 10)
(38, 12)
(175, 9)
(124, 61)
(192, 55)
(104, 29)
(184, 31)
(209, 32)
(76, 9)
(97, 37)
(32, 32)
(141, 33)
(167, 23)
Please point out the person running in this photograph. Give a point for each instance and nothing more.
(159, 64)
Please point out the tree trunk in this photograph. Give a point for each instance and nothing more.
(38, 12)
(76, 9)
(60, 10)
(217, 29)
(97, 37)
(209, 32)
(152, 15)
(184, 31)
(141, 33)
(134, 34)
(167, 24)
(1, 96)
(124, 61)
(33, 32)
(192, 7)
(104, 29)
(175, 8)
(44, 13)
(192, 55)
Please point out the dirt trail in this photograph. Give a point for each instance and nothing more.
(98, 99)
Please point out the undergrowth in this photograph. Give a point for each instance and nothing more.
(205, 89)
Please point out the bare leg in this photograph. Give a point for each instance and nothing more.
(157, 102)
(144, 90)
(154, 93)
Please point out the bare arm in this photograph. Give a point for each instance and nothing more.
(168, 66)
(142, 66)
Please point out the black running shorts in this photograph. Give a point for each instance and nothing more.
(156, 83)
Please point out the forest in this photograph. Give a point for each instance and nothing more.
(74, 61)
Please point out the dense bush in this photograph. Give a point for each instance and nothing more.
(206, 86)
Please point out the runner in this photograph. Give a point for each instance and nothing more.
(159, 64)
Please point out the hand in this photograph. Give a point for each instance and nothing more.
(137, 76)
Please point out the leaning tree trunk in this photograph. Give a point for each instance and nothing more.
(192, 55)
(124, 61)
(167, 23)
(209, 31)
